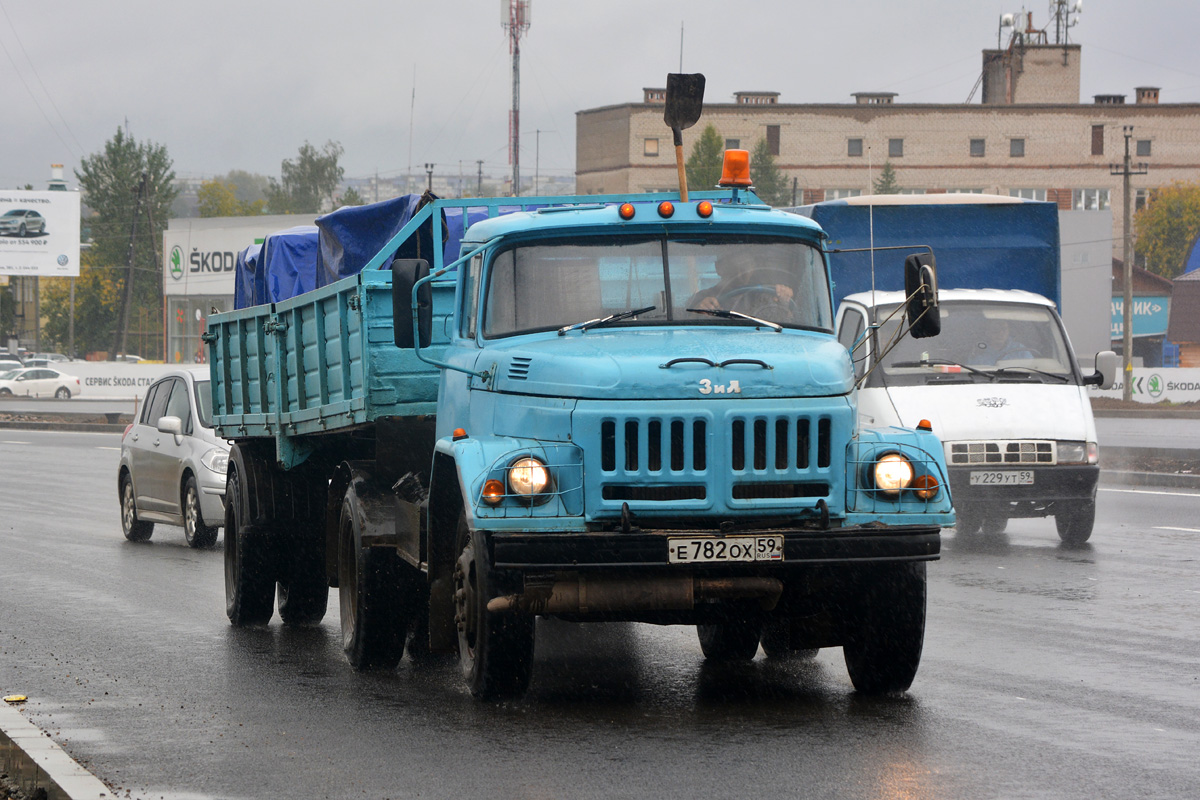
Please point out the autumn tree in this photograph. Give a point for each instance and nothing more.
(125, 215)
(219, 199)
(886, 183)
(770, 184)
(704, 164)
(1167, 227)
(308, 182)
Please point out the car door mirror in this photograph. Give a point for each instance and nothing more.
(170, 425)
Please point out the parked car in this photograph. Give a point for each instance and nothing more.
(39, 382)
(48, 356)
(8, 364)
(130, 357)
(22, 222)
(172, 467)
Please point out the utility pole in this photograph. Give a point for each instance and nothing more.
(429, 174)
(1125, 170)
(122, 332)
(479, 184)
(515, 19)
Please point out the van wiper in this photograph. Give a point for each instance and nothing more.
(935, 362)
(1056, 375)
(723, 314)
(593, 323)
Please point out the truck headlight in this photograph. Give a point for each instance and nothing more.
(528, 477)
(216, 459)
(893, 472)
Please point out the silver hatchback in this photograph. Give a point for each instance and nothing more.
(173, 464)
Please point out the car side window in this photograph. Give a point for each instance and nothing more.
(156, 408)
(178, 406)
(148, 401)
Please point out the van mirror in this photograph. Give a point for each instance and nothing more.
(920, 287)
(1105, 376)
(405, 274)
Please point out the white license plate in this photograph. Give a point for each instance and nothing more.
(1007, 477)
(708, 549)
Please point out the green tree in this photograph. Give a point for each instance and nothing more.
(1167, 227)
(886, 183)
(351, 197)
(219, 199)
(704, 164)
(110, 182)
(770, 184)
(307, 183)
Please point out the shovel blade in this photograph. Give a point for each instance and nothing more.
(685, 98)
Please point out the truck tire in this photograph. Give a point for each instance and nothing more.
(495, 651)
(249, 582)
(730, 641)
(373, 586)
(303, 588)
(885, 635)
(195, 531)
(776, 642)
(1075, 522)
(135, 530)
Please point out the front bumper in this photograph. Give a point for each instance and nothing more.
(1051, 484)
(649, 550)
(212, 504)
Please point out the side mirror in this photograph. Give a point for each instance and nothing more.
(920, 287)
(405, 274)
(1105, 376)
(170, 425)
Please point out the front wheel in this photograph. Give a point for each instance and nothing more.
(195, 531)
(5, 392)
(135, 530)
(63, 393)
(1075, 522)
(887, 630)
(495, 650)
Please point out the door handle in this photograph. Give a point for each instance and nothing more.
(157, 442)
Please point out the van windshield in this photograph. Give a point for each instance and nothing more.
(551, 285)
(979, 342)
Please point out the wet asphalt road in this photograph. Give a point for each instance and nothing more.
(1048, 673)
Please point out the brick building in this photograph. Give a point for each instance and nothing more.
(1030, 137)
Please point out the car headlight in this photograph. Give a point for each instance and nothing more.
(528, 477)
(1078, 453)
(893, 472)
(216, 459)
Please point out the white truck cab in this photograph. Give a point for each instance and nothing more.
(1001, 388)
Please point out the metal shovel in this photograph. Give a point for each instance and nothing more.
(685, 98)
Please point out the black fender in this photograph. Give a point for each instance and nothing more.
(444, 506)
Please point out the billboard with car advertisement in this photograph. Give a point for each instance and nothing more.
(39, 233)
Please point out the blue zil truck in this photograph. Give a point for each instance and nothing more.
(590, 408)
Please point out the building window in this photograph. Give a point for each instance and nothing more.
(650, 147)
(1140, 198)
(1143, 147)
(1016, 148)
(977, 148)
(840, 194)
(733, 144)
(1089, 199)
(895, 148)
(1097, 140)
(854, 147)
(964, 191)
(773, 139)
(1028, 194)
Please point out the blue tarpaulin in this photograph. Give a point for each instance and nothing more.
(285, 267)
(245, 269)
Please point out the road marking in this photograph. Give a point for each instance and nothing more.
(1143, 491)
(108, 448)
(1168, 528)
(12, 441)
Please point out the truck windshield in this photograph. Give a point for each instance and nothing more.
(552, 285)
(979, 342)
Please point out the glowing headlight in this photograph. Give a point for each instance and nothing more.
(216, 459)
(893, 472)
(528, 477)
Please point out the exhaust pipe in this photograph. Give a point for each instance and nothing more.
(582, 594)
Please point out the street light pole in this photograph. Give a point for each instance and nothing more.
(429, 175)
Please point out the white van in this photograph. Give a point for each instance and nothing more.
(1002, 389)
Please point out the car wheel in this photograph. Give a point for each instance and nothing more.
(992, 526)
(135, 530)
(63, 393)
(5, 393)
(195, 531)
(21, 232)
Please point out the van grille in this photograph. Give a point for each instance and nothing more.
(1002, 452)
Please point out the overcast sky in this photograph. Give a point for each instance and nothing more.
(241, 85)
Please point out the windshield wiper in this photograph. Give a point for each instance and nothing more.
(723, 314)
(592, 323)
(1063, 378)
(934, 362)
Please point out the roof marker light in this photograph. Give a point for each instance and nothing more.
(704, 209)
(626, 210)
(666, 209)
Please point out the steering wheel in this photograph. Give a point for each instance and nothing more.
(760, 298)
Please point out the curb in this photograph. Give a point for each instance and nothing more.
(1162, 480)
(1150, 413)
(77, 427)
(34, 761)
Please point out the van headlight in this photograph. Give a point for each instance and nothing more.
(1078, 453)
(216, 459)
(893, 473)
(528, 477)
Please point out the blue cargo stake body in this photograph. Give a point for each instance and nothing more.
(594, 408)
